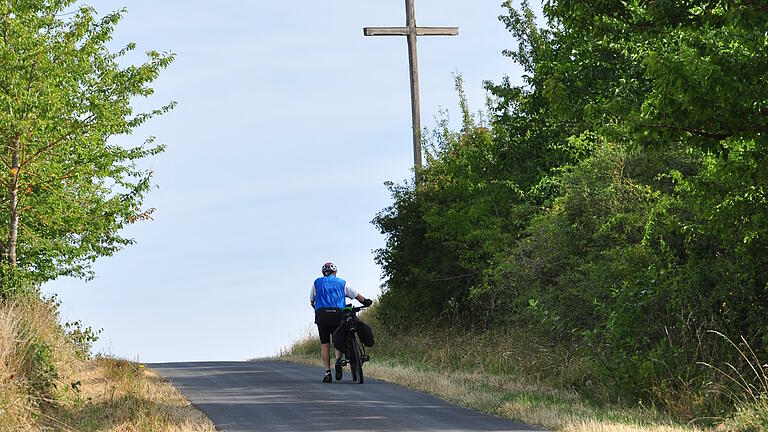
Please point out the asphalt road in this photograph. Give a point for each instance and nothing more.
(280, 396)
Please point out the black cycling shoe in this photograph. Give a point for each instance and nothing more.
(327, 377)
(339, 371)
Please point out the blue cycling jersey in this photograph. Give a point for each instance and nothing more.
(329, 292)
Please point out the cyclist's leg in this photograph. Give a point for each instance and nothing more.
(325, 345)
(337, 365)
(325, 355)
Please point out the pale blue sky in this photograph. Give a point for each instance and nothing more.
(288, 124)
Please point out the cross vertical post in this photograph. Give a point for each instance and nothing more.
(413, 65)
(411, 31)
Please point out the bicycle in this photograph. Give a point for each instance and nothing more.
(355, 354)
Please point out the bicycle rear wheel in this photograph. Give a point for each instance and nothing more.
(353, 359)
(358, 363)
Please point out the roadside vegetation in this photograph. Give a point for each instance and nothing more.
(66, 192)
(50, 382)
(505, 372)
(517, 374)
(600, 230)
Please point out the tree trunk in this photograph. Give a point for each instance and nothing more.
(13, 203)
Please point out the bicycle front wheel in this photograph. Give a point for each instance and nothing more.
(358, 361)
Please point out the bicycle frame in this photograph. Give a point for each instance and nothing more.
(349, 326)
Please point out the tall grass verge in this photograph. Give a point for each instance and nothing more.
(119, 395)
(507, 372)
(35, 360)
(749, 389)
(48, 381)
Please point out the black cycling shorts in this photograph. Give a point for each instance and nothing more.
(327, 320)
(325, 333)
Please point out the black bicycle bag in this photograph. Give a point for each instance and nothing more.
(340, 340)
(365, 333)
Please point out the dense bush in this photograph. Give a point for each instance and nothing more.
(617, 198)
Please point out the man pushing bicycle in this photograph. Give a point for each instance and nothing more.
(328, 298)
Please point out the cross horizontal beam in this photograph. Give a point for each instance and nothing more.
(411, 31)
(405, 31)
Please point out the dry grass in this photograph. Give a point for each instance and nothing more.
(118, 395)
(751, 401)
(45, 385)
(30, 341)
(515, 374)
(15, 404)
(499, 395)
(505, 372)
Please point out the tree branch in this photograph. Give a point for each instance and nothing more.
(57, 141)
(69, 174)
(29, 82)
(443, 279)
(5, 27)
(720, 135)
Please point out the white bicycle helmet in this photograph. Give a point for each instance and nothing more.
(329, 268)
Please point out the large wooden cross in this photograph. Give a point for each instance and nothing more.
(412, 31)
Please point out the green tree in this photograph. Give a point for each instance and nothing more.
(659, 72)
(67, 190)
(616, 199)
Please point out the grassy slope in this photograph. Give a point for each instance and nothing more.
(506, 373)
(46, 385)
(118, 395)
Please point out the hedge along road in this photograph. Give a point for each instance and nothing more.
(281, 396)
